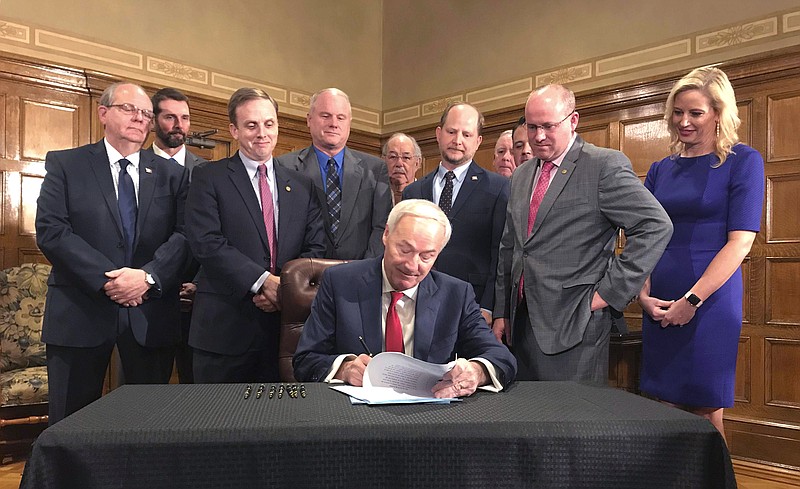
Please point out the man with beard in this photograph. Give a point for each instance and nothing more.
(473, 199)
(403, 158)
(172, 123)
(503, 162)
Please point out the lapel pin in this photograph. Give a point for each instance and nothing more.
(288, 188)
(148, 170)
(474, 178)
(563, 172)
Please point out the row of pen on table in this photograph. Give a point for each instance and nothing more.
(291, 390)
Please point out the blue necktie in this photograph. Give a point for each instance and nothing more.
(126, 201)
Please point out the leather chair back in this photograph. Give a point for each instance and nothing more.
(300, 280)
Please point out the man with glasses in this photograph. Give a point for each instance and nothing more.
(472, 198)
(110, 220)
(403, 158)
(557, 275)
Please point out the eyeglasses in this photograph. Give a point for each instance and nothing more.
(548, 126)
(132, 110)
(393, 157)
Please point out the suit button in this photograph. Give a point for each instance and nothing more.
(120, 244)
(525, 255)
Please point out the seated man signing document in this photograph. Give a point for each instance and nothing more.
(396, 303)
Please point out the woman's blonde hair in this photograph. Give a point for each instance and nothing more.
(714, 84)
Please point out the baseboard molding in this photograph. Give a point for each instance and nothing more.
(773, 473)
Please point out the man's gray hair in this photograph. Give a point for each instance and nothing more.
(420, 208)
(417, 151)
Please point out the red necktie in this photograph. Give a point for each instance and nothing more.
(394, 331)
(268, 212)
(536, 200)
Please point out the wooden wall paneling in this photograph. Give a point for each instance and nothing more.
(783, 289)
(742, 390)
(599, 135)
(644, 141)
(782, 356)
(783, 127)
(782, 216)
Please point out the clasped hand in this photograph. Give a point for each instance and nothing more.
(126, 286)
(267, 298)
(668, 313)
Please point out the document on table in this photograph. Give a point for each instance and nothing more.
(395, 378)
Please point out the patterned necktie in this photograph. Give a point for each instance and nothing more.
(446, 199)
(536, 200)
(268, 212)
(394, 331)
(334, 195)
(126, 201)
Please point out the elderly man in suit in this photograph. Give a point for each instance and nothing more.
(503, 161)
(396, 303)
(171, 126)
(565, 208)
(403, 158)
(474, 200)
(110, 220)
(353, 187)
(245, 218)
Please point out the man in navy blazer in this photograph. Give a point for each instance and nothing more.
(365, 199)
(235, 319)
(110, 220)
(476, 205)
(439, 319)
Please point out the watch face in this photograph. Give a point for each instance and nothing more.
(693, 299)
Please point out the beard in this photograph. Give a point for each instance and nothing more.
(456, 161)
(172, 139)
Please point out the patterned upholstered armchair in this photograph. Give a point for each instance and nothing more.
(23, 374)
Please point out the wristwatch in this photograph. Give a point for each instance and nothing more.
(151, 282)
(693, 299)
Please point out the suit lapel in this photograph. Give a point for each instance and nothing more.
(471, 180)
(371, 321)
(352, 172)
(102, 172)
(427, 184)
(241, 181)
(148, 171)
(427, 308)
(563, 174)
(287, 218)
(309, 166)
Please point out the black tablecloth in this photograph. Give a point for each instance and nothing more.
(535, 434)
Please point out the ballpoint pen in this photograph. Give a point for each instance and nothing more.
(364, 344)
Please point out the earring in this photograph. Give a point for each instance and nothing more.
(717, 129)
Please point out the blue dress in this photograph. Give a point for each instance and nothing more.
(695, 365)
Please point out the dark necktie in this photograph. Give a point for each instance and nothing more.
(126, 201)
(394, 331)
(268, 212)
(334, 195)
(446, 199)
(536, 200)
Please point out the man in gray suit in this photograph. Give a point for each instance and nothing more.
(353, 187)
(171, 125)
(557, 275)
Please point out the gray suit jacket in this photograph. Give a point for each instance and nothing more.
(366, 201)
(567, 257)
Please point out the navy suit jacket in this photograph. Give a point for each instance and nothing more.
(366, 202)
(448, 322)
(78, 229)
(478, 216)
(226, 232)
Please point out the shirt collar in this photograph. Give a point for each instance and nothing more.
(557, 161)
(252, 166)
(114, 156)
(387, 287)
(180, 156)
(459, 171)
(323, 158)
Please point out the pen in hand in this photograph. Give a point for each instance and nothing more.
(364, 344)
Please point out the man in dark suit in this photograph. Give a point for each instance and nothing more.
(110, 220)
(474, 200)
(429, 315)
(172, 124)
(353, 187)
(565, 208)
(246, 217)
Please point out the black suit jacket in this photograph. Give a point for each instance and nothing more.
(226, 232)
(348, 305)
(79, 230)
(477, 216)
(366, 201)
